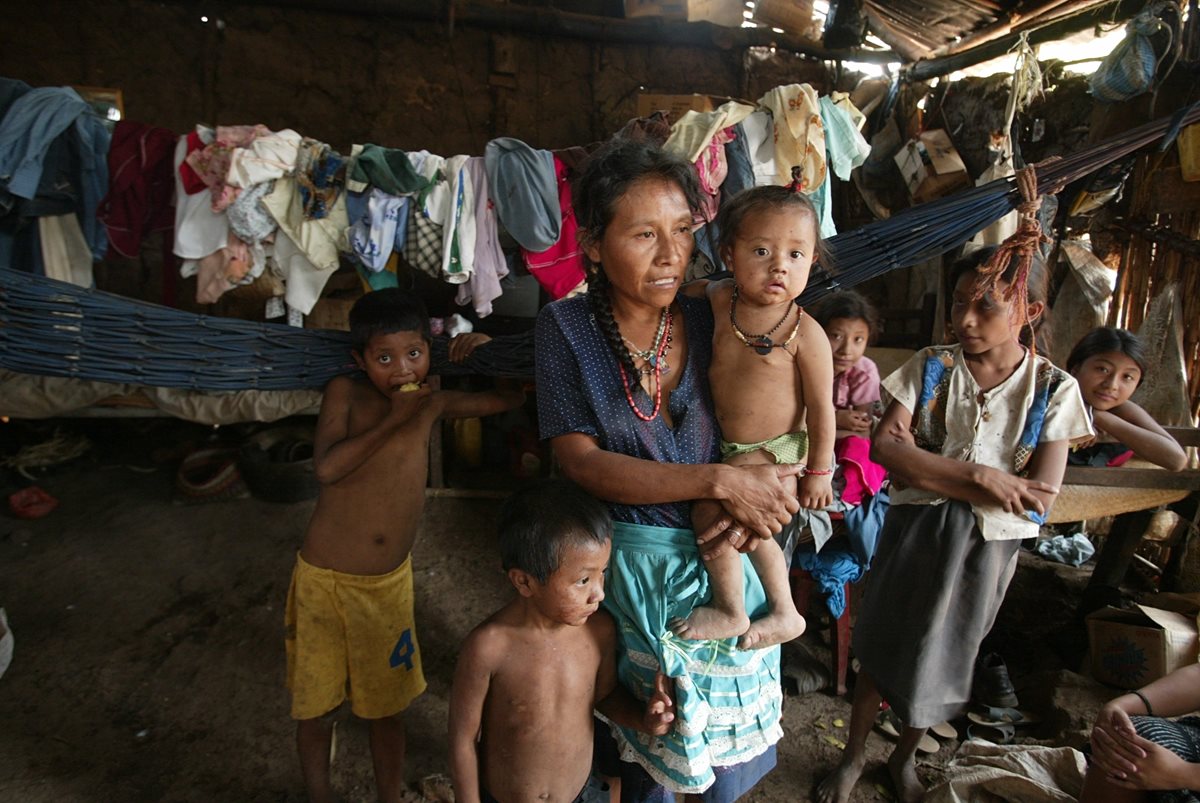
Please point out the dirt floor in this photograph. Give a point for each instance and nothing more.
(149, 657)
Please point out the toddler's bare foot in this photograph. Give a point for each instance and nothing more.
(909, 788)
(838, 785)
(776, 627)
(707, 622)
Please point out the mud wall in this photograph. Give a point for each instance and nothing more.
(345, 78)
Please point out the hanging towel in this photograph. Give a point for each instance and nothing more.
(525, 191)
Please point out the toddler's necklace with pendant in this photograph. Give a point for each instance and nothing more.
(762, 344)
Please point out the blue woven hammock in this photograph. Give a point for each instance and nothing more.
(58, 329)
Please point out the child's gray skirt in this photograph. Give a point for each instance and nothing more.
(932, 595)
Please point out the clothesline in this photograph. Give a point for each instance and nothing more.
(54, 328)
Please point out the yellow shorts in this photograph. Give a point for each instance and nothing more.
(351, 636)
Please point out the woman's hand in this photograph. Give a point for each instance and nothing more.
(1134, 762)
(1109, 734)
(762, 497)
(717, 532)
(1014, 494)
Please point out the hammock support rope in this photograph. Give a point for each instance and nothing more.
(58, 329)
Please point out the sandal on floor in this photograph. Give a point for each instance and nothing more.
(944, 730)
(889, 724)
(1003, 716)
(996, 733)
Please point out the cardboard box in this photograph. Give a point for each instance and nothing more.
(1132, 648)
(931, 166)
(675, 105)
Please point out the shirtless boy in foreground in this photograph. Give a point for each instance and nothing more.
(528, 677)
(349, 618)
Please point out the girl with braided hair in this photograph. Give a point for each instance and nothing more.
(623, 397)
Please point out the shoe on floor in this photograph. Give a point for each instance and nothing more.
(992, 687)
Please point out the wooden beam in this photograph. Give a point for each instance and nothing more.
(539, 21)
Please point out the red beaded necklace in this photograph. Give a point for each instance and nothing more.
(658, 363)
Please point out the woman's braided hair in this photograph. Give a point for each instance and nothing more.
(607, 175)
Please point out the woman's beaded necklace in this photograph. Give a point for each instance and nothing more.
(650, 356)
(663, 341)
(762, 344)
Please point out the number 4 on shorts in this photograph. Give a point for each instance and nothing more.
(403, 652)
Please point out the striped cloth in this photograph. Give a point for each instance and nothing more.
(1181, 737)
(727, 701)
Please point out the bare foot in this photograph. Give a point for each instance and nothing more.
(707, 622)
(774, 628)
(909, 788)
(838, 785)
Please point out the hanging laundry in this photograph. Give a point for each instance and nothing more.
(798, 134)
(559, 268)
(524, 189)
(711, 169)
(846, 149)
(10, 90)
(142, 186)
(317, 241)
(251, 223)
(54, 155)
(760, 144)
(739, 167)
(458, 224)
(423, 249)
(65, 252)
(694, 132)
(267, 157)
(211, 163)
(489, 265)
(191, 181)
(321, 238)
(388, 169)
(655, 129)
(303, 280)
(379, 226)
(199, 231)
(220, 271)
(320, 176)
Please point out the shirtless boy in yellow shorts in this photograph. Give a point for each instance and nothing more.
(349, 619)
